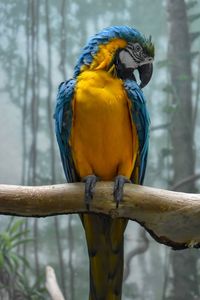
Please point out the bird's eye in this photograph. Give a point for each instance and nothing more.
(137, 48)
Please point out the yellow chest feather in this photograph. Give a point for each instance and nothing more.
(103, 141)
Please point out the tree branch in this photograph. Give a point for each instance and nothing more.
(52, 285)
(172, 218)
(184, 181)
(160, 126)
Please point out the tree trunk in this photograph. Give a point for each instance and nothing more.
(49, 94)
(63, 37)
(52, 144)
(34, 116)
(34, 99)
(71, 250)
(184, 264)
(60, 257)
(62, 68)
(25, 96)
(181, 79)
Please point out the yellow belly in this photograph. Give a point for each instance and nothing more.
(104, 141)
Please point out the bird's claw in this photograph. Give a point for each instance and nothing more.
(118, 188)
(90, 182)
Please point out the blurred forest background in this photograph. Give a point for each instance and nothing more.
(39, 44)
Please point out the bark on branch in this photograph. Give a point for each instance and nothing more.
(172, 218)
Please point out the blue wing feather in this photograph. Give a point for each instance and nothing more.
(63, 124)
(141, 119)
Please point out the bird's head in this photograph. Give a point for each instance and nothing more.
(119, 50)
(137, 55)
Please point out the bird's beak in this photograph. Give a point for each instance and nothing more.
(145, 74)
(126, 67)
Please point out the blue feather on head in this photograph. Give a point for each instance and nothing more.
(103, 37)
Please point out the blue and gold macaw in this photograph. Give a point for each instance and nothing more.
(102, 129)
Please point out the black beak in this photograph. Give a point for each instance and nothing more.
(145, 74)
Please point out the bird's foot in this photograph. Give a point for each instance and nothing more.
(120, 180)
(90, 182)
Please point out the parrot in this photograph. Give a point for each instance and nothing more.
(102, 129)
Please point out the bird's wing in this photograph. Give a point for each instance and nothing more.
(140, 118)
(63, 123)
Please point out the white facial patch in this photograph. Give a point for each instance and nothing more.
(127, 60)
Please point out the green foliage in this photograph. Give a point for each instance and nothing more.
(184, 77)
(10, 239)
(12, 279)
(31, 291)
(168, 88)
(169, 108)
(193, 17)
(191, 4)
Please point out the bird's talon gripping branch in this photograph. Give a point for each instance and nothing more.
(120, 180)
(90, 182)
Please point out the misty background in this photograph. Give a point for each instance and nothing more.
(40, 41)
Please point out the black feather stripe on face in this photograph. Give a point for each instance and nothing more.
(137, 52)
(134, 55)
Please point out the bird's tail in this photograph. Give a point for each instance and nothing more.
(105, 241)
